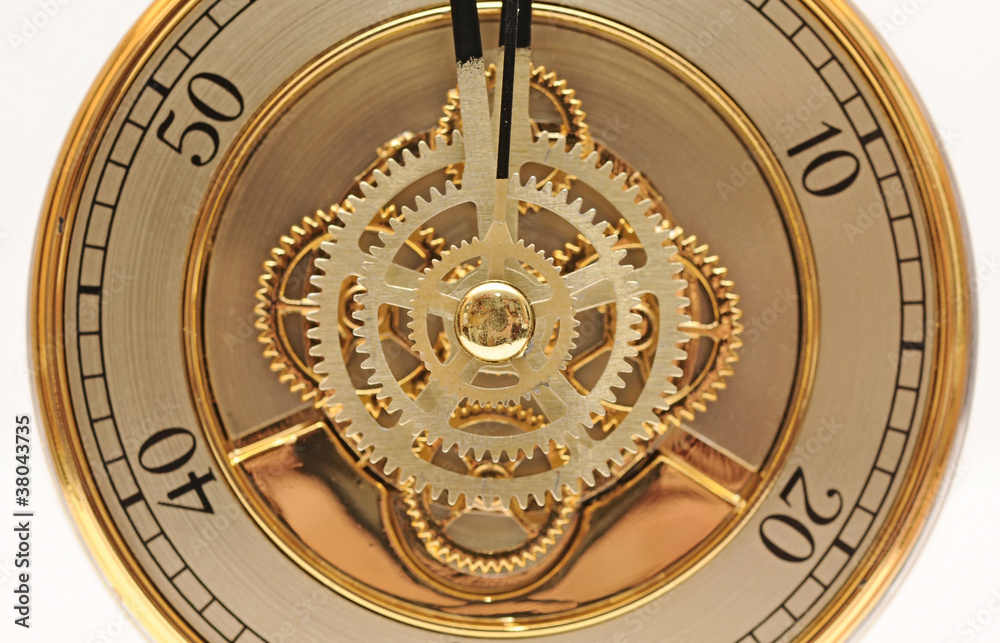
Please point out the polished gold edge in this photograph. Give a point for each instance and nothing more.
(284, 438)
(93, 520)
(716, 489)
(867, 585)
(907, 521)
(781, 191)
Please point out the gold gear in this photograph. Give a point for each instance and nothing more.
(708, 288)
(543, 535)
(572, 123)
(276, 304)
(544, 527)
(591, 457)
(716, 318)
(292, 364)
(714, 306)
(285, 286)
(696, 388)
(534, 373)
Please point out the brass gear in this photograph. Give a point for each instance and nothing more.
(285, 287)
(439, 546)
(590, 457)
(716, 318)
(708, 288)
(715, 314)
(275, 304)
(536, 372)
(572, 123)
(544, 527)
(695, 389)
(571, 416)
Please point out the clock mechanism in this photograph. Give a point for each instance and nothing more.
(572, 338)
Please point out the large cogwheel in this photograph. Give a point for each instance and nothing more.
(496, 255)
(655, 278)
(536, 374)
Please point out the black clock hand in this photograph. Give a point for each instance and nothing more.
(524, 21)
(465, 28)
(484, 151)
(515, 34)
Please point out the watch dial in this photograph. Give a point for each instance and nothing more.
(603, 322)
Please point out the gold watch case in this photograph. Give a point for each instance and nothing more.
(694, 374)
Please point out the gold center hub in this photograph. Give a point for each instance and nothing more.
(495, 322)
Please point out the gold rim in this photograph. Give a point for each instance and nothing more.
(881, 564)
(98, 531)
(909, 516)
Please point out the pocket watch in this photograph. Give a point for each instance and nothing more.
(578, 321)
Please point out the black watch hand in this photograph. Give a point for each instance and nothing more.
(515, 33)
(465, 28)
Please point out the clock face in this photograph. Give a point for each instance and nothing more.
(649, 323)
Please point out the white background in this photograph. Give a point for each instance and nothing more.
(951, 51)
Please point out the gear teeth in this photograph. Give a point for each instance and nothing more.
(380, 177)
(367, 364)
(327, 248)
(537, 497)
(457, 138)
(617, 382)
(384, 237)
(437, 494)
(355, 202)
(393, 165)
(396, 456)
